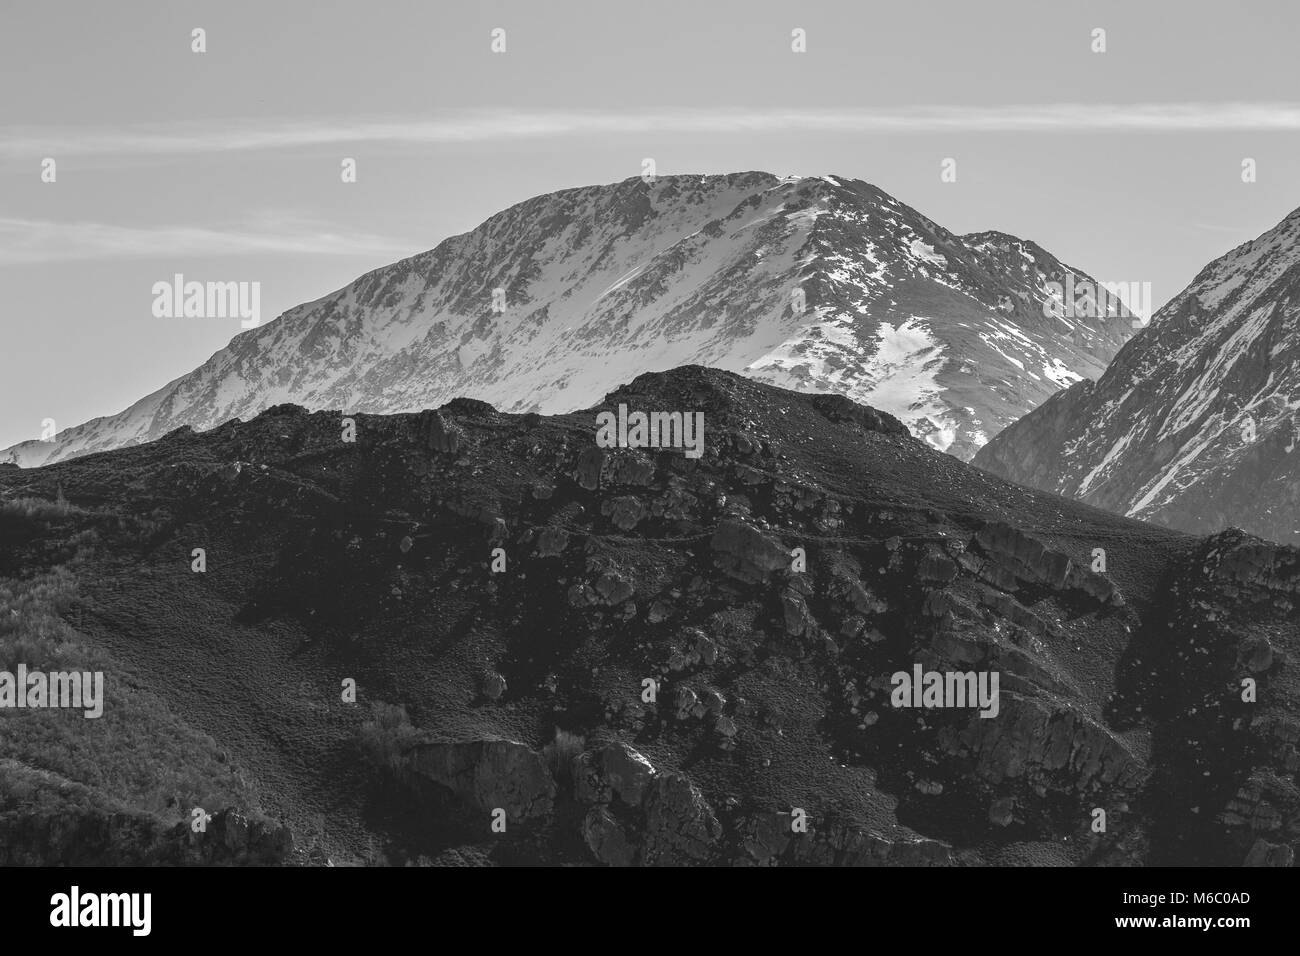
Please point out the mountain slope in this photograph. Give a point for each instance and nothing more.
(769, 590)
(602, 283)
(1194, 425)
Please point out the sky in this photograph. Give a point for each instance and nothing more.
(225, 165)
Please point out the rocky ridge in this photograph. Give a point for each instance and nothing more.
(679, 659)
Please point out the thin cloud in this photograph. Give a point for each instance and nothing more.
(236, 135)
(27, 241)
(1214, 227)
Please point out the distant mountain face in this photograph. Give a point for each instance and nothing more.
(1195, 423)
(819, 284)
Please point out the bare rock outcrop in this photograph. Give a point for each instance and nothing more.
(488, 774)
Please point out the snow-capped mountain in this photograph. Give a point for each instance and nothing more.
(817, 284)
(1195, 424)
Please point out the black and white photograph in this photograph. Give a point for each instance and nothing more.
(693, 435)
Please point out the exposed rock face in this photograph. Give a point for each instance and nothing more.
(606, 838)
(838, 408)
(489, 774)
(616, 771)
(589, 466)
(680, 825)
(767, 839)
(440, 434)
(798, 620)
(1239, 559)
(629, 773)
(233, 837)
(745, 552)
(1264, 853)
(107, 838)
(1194, 423)
(1048, 747)
(1013, 557)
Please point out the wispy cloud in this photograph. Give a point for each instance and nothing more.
(26, 241)
(216, 136)
(1215, 227)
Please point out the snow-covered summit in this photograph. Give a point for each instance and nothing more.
(815, 283)
(1196, 424)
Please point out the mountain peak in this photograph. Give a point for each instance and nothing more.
(1195, 423)
(819, 284)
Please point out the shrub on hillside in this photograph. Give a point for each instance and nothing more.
(386, 735)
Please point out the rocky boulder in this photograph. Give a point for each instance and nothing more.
(745, 553)
(488, 774)
(681, 828)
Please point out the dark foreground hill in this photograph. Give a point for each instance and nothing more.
(762, 595)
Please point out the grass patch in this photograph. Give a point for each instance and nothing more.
(138, 754)
(39, 509)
